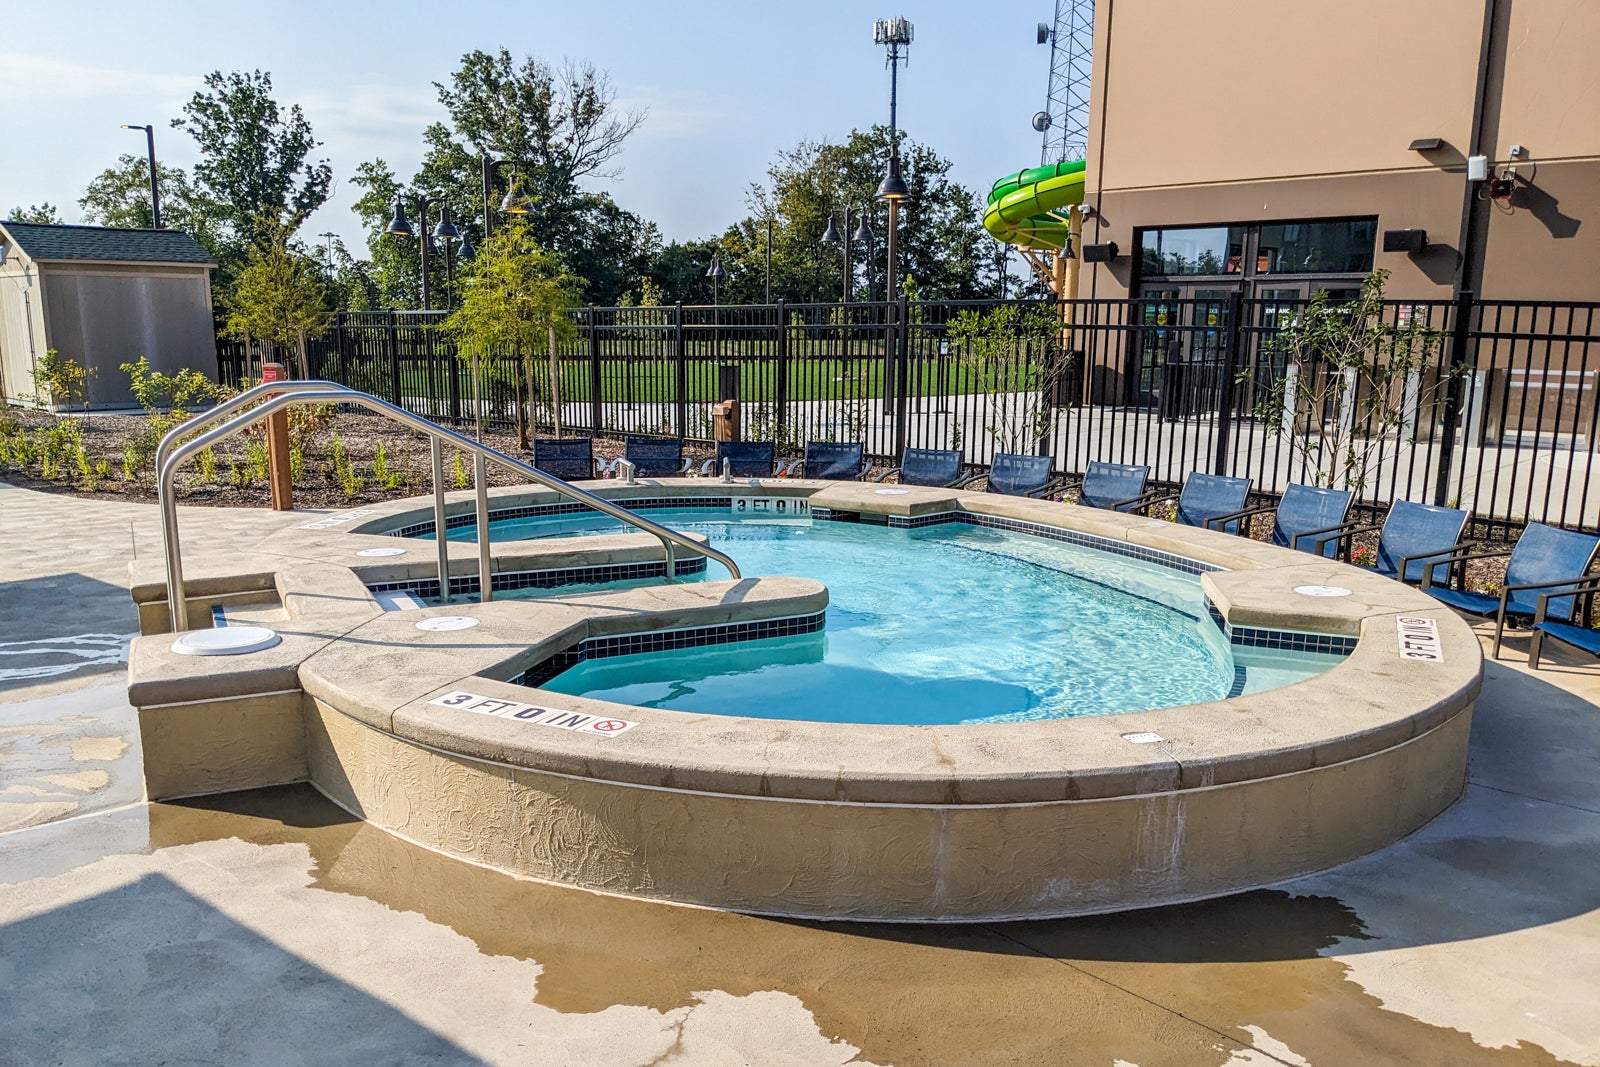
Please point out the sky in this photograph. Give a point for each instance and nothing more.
(727, 85)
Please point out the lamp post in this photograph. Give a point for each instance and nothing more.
(447, 232)
(510, 204)
(834, 236)
(400, 226)
(894, 33)
(863, 237)
(155, 193)
(328, 236)
(716, 274)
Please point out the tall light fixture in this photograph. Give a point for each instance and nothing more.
(894, 33)
(716, 274)
(155, 193)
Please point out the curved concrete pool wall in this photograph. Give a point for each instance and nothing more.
(947, 823)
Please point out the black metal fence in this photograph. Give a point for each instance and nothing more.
(1493, 408)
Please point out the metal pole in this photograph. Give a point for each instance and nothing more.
(769, 259)
(439, 531)
(1461, 362)
(422, 210)
(480, 481)
(846, 298)
(894, 214)
(488, 212)
(155, 192)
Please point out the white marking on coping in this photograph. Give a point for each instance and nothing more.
(1143, 738)
(1321, 590)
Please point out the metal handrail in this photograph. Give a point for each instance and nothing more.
(284, 394)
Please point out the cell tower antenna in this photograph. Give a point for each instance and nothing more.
(1065, 120)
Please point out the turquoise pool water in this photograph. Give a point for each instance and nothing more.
(945, 624)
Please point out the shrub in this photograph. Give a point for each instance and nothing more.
(255, 455)
(344, 474)
(205, 461)
(458, 473)
(60, 380)
(387, 477)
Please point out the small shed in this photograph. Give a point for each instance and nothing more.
(102, 297)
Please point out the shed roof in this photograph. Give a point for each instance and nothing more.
(46, 242)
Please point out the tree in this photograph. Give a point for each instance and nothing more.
(1015, 355)
(120, 196)
(396, 263)
(1359, 373)
(44, 214)
(516, 296)
(254, 156)
(941, 241)
(279, 298)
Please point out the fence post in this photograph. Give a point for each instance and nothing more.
(780, 388)
(1460, 344)
(595, 409)
(680, 372)
(452, 372)
(1230, 370)
(393, 333)
(902, 354)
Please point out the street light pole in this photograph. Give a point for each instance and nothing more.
(894, 33)
(329, 235)
(155, 192)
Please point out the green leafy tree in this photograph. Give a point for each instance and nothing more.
(517, 297)
(44, 214)
(120, 196)
(1360, 375)
(254, 156)
(1014, 354)
(562, 130)
(941, 240)
(280, 298)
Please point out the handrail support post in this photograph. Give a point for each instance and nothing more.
(440, 531)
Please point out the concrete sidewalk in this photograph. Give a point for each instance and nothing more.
(272, 928)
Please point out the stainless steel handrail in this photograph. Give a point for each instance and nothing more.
(284, 394)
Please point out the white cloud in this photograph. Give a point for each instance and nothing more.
(370, 114)
(28, 77)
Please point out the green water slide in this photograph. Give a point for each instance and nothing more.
(1022, 206)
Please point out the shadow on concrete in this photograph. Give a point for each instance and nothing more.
(149, 973)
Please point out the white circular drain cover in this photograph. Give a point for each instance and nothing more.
(371, 552)
(891, 492)
(226, 641)
(1321, 590)
(448, 622)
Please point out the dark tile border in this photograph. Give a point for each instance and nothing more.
(1055, 533)
(663, 640)
(539, 511)
(1284, 640)
(547, 579)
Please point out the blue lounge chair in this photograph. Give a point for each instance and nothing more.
(655, 457)
(1544, 558)
(1205, 499)
(1014, 475)
(569, 458)
(1113, 486)
(839, 461)
(746, 459)
(1580, 637)
(1302, 514)
(1412, 537)
(940, 467)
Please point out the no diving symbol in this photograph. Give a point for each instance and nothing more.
(609, 726)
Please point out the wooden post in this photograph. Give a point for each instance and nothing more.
(278, 470)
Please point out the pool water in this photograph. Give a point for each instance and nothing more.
(944, 624)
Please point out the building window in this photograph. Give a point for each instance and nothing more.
(1343, 246)
(1310, 247)
(1187, 250)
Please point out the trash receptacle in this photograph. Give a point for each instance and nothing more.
(725, 421)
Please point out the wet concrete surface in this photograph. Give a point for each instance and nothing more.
(271, 927)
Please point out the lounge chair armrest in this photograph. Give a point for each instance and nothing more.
(1154, 497)
(1329, 533)
(967, 479)
(1243, 515)
(1459, 556)
(688, 465)
(1053, 485)
(885, 475)
(1590, 584)
(1563, 586)
(1442, 561)
(708, 466)
(1342, 533)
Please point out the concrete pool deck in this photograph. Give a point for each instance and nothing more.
(269, 926)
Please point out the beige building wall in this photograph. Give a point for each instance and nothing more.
(105, 315)
(22, 329)
(1244, 111)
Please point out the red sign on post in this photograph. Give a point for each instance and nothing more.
(271, 372)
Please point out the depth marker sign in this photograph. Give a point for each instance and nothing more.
(1419, 639)
(533, 713)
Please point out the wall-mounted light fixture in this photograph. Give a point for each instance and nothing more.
(1405, 240)
(1105, 253)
